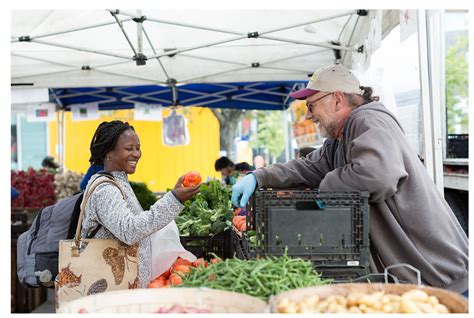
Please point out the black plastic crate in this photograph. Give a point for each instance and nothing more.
(202, 246)
(237, 248)
(458, 146)
(328, 228)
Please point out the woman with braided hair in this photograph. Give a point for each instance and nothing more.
(116, 146)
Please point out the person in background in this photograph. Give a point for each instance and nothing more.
(93, 169)
(366, 149)
(303, 152)
(230, 171)
(15, 193)
(259, 162)
(116, 146)
(49, 163)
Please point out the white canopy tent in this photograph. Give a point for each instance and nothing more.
(235, 51)
(97, 48)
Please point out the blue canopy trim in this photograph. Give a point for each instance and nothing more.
(243, 95)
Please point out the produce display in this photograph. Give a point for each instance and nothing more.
(260, 277)
(207, 212)
(173, 276)
(67, 184)
(413, 301)
(36, 188)
(143, 194)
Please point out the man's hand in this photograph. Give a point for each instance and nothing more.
(243, 190)
(182, 193)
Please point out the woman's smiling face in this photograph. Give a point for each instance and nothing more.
(125, 155)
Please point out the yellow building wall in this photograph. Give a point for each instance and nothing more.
(160, 165)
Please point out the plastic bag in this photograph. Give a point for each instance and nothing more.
(166, 248)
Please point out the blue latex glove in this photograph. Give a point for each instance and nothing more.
(243, 190)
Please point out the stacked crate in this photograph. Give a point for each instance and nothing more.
(329, 228)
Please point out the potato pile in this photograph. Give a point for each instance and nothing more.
(413, 301)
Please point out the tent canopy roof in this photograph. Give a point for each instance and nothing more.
(162, 49)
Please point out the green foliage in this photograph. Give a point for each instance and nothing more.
(205, 214)
(457, 85)
(270, 132)
(143, 194)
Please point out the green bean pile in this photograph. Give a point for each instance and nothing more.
(259, 277)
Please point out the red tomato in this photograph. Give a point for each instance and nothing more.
(199, 261)
(191, 179)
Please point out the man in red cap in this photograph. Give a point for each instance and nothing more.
(367, 150)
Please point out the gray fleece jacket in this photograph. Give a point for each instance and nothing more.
(410, 222)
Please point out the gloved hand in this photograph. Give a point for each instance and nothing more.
(243, 190)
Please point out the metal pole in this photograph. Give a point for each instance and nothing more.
(72, 30)
(41, 74)
(435, 38)
(285, 69)
(82, 49)
(63, 139)
(198, 46)
(194, 26)
(214, 74)
(287, 137)
(335, 16)
(125, 34)
(154, 52)
(127, 13)
(320, 44)
(293, 57)
(427, 151)
(139, 34)
(212, 59)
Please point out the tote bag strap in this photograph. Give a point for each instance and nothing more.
(77, 237)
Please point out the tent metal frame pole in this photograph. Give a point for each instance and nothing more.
(125, 34)
(76, 93)
(320, 44)
(213, 59)
(293, 57)
(72, 30)
(82, 49)
(177, 51)
(130, 76)
(343, 59)
(253, 100)
(110, 64)
(268, 91)
(139, 34)
(214, 74)
(343, 14)
(344, 27)
(204, 95)
(284, 69)
(43, 60)
(41, 74)
(154, 52)
(122, 12)
(194, 26)
(130, 95)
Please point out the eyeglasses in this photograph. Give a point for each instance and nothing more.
(313, 103)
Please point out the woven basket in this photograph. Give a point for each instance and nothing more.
(456, 303)
(150, 300)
